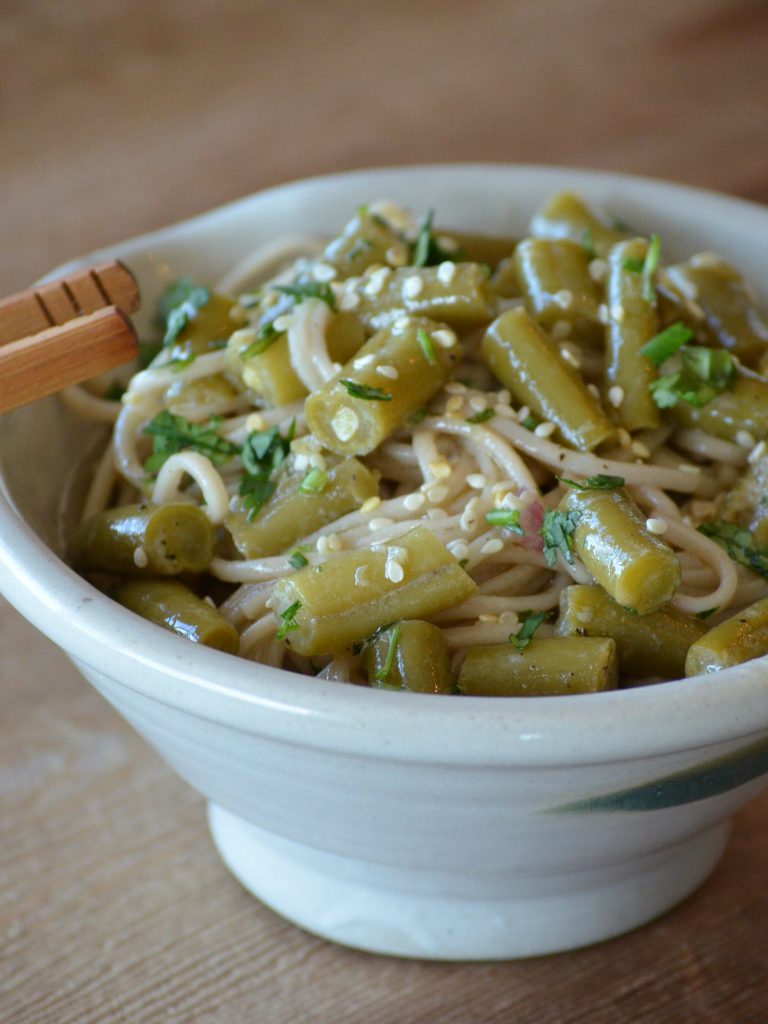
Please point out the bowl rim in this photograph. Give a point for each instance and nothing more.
(97, 633)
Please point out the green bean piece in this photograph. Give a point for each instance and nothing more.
(554, 278)
(175, 607)
(635, 566)
(215, 393)
(726, 302)
(742, 407)
(366, 240)
(412, 655)
(478, 248)
(545, 668)
(740, 638)
(328, 608)
(567, 216)
(292, 513)
(526, 360)
(145, 540)
(206, 329)
(632, 322)
(269, 372)
(747, 505)
(646, 645)
(395, 373)
(504, 282)
(458, 296)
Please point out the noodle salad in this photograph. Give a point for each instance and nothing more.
(420, 459)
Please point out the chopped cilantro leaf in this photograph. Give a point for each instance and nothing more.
(557, 533)
(309, 290)
(179, 304)
(427, 251)
(297, 559)
(650, 266)
(382, 674)
(666, 343)
(369, 394)
(704, 374)
(509, 518)
(171, 434)
(481, 417)
(739, 544)
(528, 627)
(266, 336)
(427, 346)
(530, 423)
(288, 618)
(601, 482)
(263, 455)
(314, 482)
(633, 265)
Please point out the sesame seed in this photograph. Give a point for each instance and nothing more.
(444, 337)
(560, 329)
(705, 259)
(695, 309)
(243, 338)
(686, 467)
(571, 356)
(316, 460)
(639, 449)
(487, 617)
(254, 422)
(414, 501)
(616, 396)
(394, 571)
(437, 493)
(323, 272)
(349, 301)
(508, 618)
(492, 546)
(458, 549)
(757, 452)
(506, 499)
(369, 505)
(140, 559)
(237, 312)
(617, 312)
(446, 272)
(322, 545)
(380, 524)
(440, 469)
(602, 313)
(563, 298)
(656, 526)
(283, 323)
(505, 411)
(545, 429)
(345, 423)
(401, 324)
(377, 280)
(745, 440)
(396, 256)
(454, 404)
(477, 480)
(447, 244)
(362, 361)
(624, 437)
(361, 573)
(436, 513)
(593, 390)
(454, 387)
(523, 413)
(412, 287)
(334, 542)
(390, 372)
(478, 403)
(598, 269)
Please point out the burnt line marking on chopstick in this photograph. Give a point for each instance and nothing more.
(72, 298)
(44, 309)
(102, 290)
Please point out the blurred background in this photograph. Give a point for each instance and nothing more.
(120, 116)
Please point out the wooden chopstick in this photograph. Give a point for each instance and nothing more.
(65, 331)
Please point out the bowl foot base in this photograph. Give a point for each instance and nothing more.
(387, 910)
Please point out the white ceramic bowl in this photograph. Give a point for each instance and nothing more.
(421, 825)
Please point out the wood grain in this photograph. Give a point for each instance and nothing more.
(117, 118)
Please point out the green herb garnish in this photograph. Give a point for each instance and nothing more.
(179, 304)
(427, 251)
(263, 455)
(739, 544)
(171, 434)
(288, 618)
(309, 290)
(667, 343)
(650, 266)
(427, 346)
(601, 482)
(297, 559)
(588, 241)
(369, 394)
(528, 627)
(509, 518)
(704, 374)
(530, 423)
(382, 674)
(633, 264)
(557, 533)
(481, 417)
(267, 335)
(314, 482)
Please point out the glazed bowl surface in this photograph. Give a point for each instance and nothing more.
(411, 824)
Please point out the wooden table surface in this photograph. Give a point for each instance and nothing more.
(123, 116)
